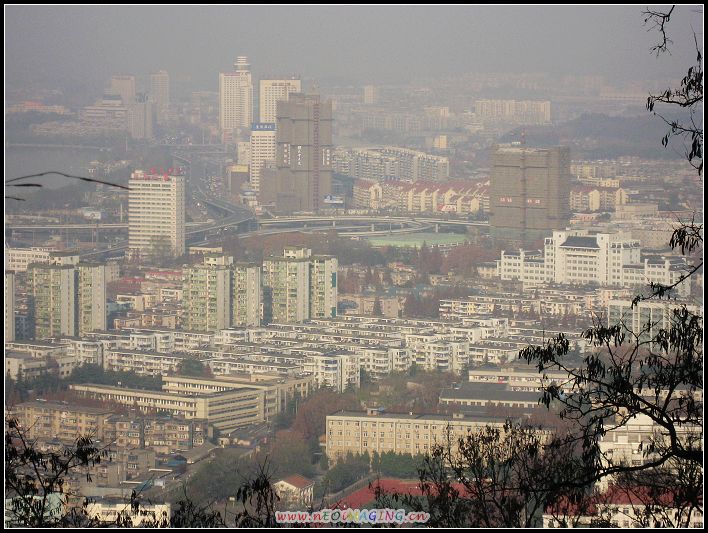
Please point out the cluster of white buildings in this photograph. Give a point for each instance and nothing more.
(579, 257)
(333, 350)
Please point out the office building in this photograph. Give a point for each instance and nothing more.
(160, 95)
(9, 306)
(272, 92)
(225, 410)
(529, 192)
(411, 434)
(156, 213)
(236, 97)
(140, 117)
(303, 175)
(123, 86)
(578, 257)
(262, 149)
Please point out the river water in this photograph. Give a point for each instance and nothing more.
(21, 161)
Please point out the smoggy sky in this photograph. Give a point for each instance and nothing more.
(364, 44)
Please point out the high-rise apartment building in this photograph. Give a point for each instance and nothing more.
(123, 86)
(9, 306)
(66, 297)
(156, 213)
(236, 96)
(160, 95)
(91, 297)
(52, 299)
(262, 149)
(530, 190)
(303, 155)
(272, 92)
(299, 286)
(246, 295)
(323, 287)
(207, 294)
(219, 294)
(286, 286)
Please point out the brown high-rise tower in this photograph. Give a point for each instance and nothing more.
(303, 157)
(529, 193)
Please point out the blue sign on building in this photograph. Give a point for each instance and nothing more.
(262, 126)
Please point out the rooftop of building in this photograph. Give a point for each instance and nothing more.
(488, 391)
(581, 242)
(432, 417)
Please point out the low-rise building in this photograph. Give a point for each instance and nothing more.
(225, 410)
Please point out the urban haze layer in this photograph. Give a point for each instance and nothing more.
(352, 253)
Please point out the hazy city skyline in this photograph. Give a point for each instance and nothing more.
(352, 44)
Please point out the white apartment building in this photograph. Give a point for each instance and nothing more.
(380, 362)
(86, 352)
(236, 96)
(336, 370)
(156, 213)
(646, 317)
(262, 149)
(273, 91)
(438, 351)
(143, 363)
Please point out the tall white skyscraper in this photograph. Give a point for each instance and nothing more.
(236, 96)
(160, 95)
(156, 213)
(273, 91)
(262, 150)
